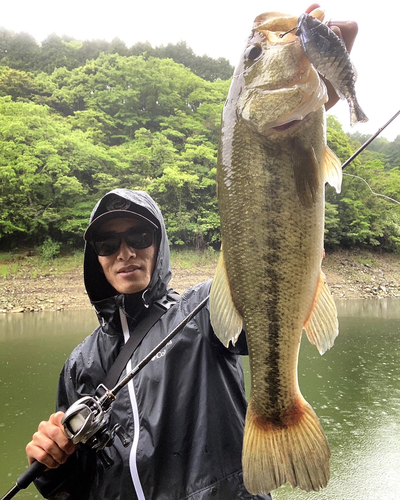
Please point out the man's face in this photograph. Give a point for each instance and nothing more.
(128, 270)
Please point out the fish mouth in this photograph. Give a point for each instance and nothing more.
(286, 126)
(291, 123)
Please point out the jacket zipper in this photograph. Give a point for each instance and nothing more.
(132, 457)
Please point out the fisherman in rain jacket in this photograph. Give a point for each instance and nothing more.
(185, 410)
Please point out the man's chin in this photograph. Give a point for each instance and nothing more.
(127, 286)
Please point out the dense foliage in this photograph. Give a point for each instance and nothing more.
(69, 137)
(22, 52)
(359, 215)
(78, 119)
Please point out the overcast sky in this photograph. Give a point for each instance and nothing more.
(219, 28)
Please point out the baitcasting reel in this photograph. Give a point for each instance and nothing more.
(86, 421)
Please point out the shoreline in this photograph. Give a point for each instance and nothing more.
(351, 274)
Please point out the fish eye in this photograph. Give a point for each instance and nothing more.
(253, 52)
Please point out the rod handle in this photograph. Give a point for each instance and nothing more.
(35, 470)
(25, 479)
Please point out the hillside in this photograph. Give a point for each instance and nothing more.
(350, 274)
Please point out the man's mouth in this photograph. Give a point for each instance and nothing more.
(128, 269)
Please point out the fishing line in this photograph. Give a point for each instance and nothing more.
(373, 192)
(287, 32)
(349, 160)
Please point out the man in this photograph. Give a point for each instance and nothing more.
(185, 411)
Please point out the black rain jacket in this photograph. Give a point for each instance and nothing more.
(184, 411)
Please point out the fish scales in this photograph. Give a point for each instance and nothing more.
(272, 166)
(263, 252)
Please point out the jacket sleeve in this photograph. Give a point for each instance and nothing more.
(71, 480)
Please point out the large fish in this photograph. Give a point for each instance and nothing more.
(273, 164)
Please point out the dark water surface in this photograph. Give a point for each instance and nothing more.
(354, 388)
(33, 348)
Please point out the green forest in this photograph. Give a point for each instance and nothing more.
(80, 118)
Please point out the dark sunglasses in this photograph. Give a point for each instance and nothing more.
(108, 243)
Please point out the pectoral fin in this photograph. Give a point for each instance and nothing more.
(306, 171)
(225, 319)
(322, 326)
(333, 169)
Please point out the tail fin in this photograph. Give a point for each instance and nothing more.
(357, 115)
(273, 455)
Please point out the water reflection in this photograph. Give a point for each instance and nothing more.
(354, 388)
(33, 348)
(53, 325)
(382, 308)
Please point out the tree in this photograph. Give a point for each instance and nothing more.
(134, 92)
(20, 85)
(204, 66)
(53, 54)
(117, 46)
(47, 174)
(19, 51)
(141, 122)
(357, 216)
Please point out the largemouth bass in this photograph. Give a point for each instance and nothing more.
(273, 163)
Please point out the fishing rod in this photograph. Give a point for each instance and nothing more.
(86, 420)
(369, 140)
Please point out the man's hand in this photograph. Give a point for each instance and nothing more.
(347, 31)
(49, 444)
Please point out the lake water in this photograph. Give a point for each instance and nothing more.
(354, 388)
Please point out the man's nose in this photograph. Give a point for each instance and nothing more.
(125, 251)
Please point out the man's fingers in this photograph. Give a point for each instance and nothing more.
(47, 430)
(56, 418)
(49, 444)
(312, 7)
(346, 30)
(46, 451)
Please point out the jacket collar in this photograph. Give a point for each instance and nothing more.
(108, 312)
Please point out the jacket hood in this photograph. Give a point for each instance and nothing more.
(102, 295)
